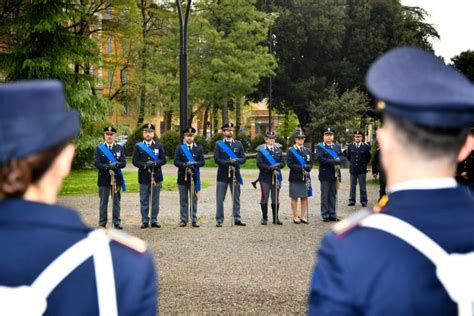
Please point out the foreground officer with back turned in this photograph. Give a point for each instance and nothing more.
(52, 263)
(109, 158)
(229, 154)
(270, 162)
(417, 243)
(148, 157)
(188, 158)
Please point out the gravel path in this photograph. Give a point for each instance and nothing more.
(246, 270)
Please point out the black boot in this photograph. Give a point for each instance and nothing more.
(275, 209)
(264, 213)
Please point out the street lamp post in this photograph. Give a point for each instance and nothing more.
(183, 64)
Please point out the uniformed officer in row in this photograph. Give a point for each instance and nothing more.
(358, 154)
(109, 158)
(300, 163)
(229, 154)
(188, 157)
(270, 162)
(428, 108)
(465, 172)
(329, 157)
(148, 157)
(35, 156)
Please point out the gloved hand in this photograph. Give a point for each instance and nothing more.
(189, 164)
(276, 166)
(113, 165)
(150, 164)
(337, 161)
(307, 167)
(232, 162)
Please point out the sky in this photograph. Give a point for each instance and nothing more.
(454, 22)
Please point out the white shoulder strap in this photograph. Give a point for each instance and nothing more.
(455, 271)
(32, 300)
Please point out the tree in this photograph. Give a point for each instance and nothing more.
(464, 62)
(339, 111)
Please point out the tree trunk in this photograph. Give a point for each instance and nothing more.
(225, 113)
(238, 106)
(168, 115)
(215, 118)
(206, 117)
(143, 66)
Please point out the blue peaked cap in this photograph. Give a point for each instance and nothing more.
(34, 117)
(415, 85)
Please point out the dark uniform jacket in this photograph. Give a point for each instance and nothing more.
(140, 157)
(466, 166)
(180, 159)
(326, 162)
(377, 166)
(266, 172)
(399, 279)
(296, 171)
(222, 160)
(101, 162)
(35, 234)
(358, 157)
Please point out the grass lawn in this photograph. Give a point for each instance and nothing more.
(84, 181)
(249, 164)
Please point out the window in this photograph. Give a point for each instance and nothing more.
(109, 47)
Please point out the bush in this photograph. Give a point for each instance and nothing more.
(256, 141)
(202, 141)
(245, 139)
(170, 140)
(282, 141)
(90, 137)
(214, 139)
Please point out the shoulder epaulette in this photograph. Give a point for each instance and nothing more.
(350, 222)
(127, 240)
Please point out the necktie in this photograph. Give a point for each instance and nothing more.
(189, 146)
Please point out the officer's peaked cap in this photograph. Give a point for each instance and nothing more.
(229, 125)
(189, 130)
(148, 126)
(33, 118)
(415, 85)
(110, 128)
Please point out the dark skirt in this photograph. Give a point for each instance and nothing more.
(298, 190)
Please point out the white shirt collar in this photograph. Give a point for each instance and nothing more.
(425, 184)
(149, 143)
(108, 145)
(229, 141)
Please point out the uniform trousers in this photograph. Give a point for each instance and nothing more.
(104, 193)
(145, 202)
(361, 178)
(267, 190)
(221, 190)
(328, 199)
(184, 204)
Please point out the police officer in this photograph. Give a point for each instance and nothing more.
(109, 158)
(465, 172)
(427, 110)
(270, 162)
(358, 153)
(329, 156)
(148, 157)
(229, 154)
(188, 157)
(35, 156)
(300, 163)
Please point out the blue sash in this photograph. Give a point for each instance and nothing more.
(147, 150)
(197, 175)
(229, 153)
(271, 161)
(329, 151)
(302, 163)
(112, 158)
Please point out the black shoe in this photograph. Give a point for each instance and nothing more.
(303, 221)
(240, 224)
(351, 204)
(144, 225)
(156, 225)
(275, 209)
(254, 184)
(101, 226)
(326, 220)
(195, 224)
(364, 204)
(119, 227)
(335, 219)
(264, 208)
(297, 221)
(263, 221)
(182, 224)
(219, 225)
